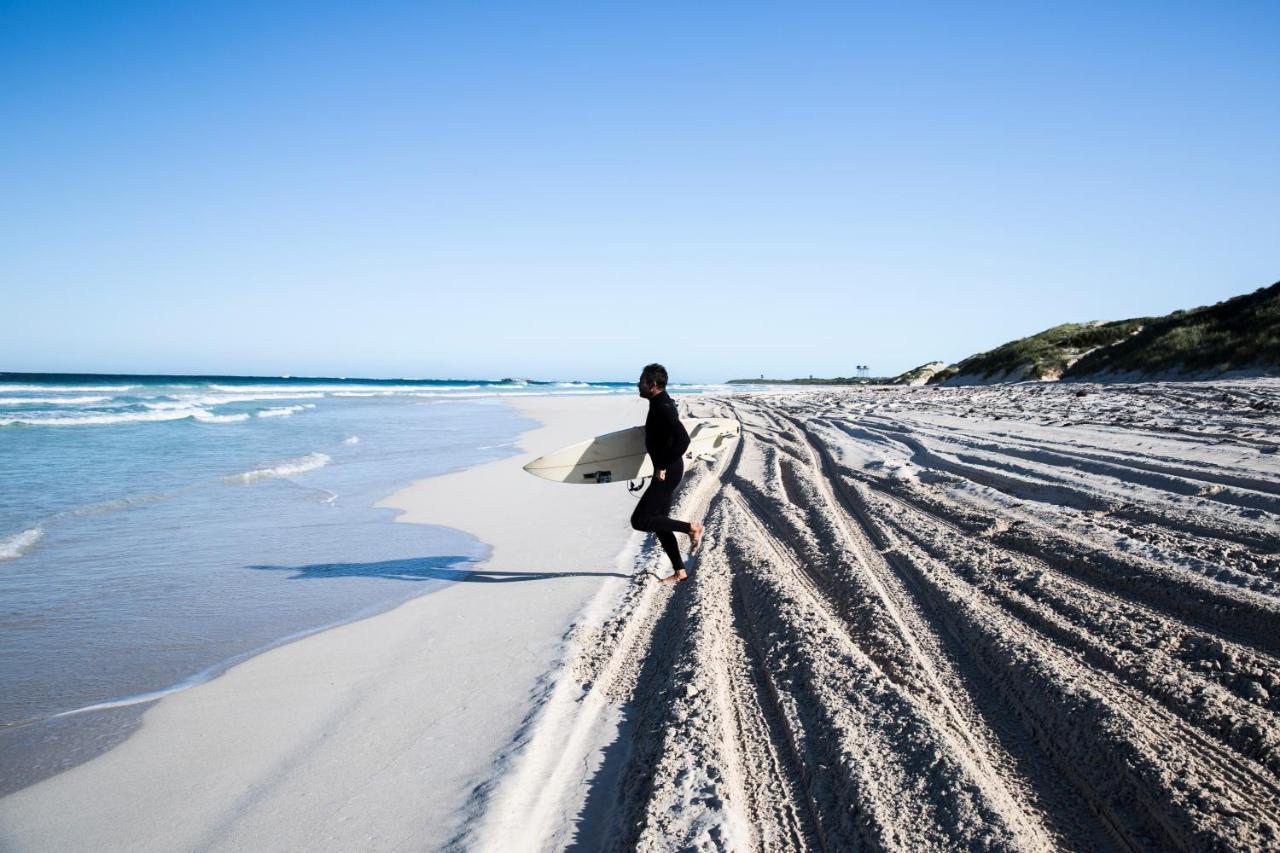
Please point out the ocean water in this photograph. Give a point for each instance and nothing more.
(155, 530)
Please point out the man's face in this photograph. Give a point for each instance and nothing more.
(646, 390)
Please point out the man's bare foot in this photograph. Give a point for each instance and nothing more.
(676, 578)
(695, 533)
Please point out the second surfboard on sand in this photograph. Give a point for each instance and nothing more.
(620, 456)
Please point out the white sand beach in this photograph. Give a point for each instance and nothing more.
(1027, 617)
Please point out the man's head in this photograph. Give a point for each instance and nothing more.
(653, 380)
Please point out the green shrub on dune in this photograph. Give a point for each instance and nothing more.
(1242, 333)
(1237, 334)
(1046, 355)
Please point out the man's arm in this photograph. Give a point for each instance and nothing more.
(679, 435)
(678, 439)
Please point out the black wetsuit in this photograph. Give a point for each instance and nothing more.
(665, 440)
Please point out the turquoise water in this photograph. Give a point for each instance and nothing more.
(155, 530)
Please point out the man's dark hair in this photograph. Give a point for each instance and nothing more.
(655, 374)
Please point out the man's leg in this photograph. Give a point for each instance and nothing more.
(650, 515)
(659, 523)
(663, 524)
(654, 509)
(668, 540)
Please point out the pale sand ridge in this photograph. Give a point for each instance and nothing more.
(1032, 617)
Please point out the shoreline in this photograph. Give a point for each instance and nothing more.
(291, 720)
(55, 738)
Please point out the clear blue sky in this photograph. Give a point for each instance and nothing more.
(570, 191)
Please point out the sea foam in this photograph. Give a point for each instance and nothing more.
(284, 411)
(55, 389)
(44, 401)
(100, 418)
(298, 390)
(221, 399)
(283, 468)
(18, 544)
(210, 418)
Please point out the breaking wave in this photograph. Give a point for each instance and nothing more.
(100, 418)
(44, 401)
(19, 543)
(284, 468)
(284, 411)
(210, 418)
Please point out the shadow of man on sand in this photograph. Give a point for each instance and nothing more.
(450, 568)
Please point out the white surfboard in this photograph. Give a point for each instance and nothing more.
(619, 456)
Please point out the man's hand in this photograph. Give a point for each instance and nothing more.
(661, 474)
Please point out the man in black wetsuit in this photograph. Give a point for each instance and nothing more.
(665, 440)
